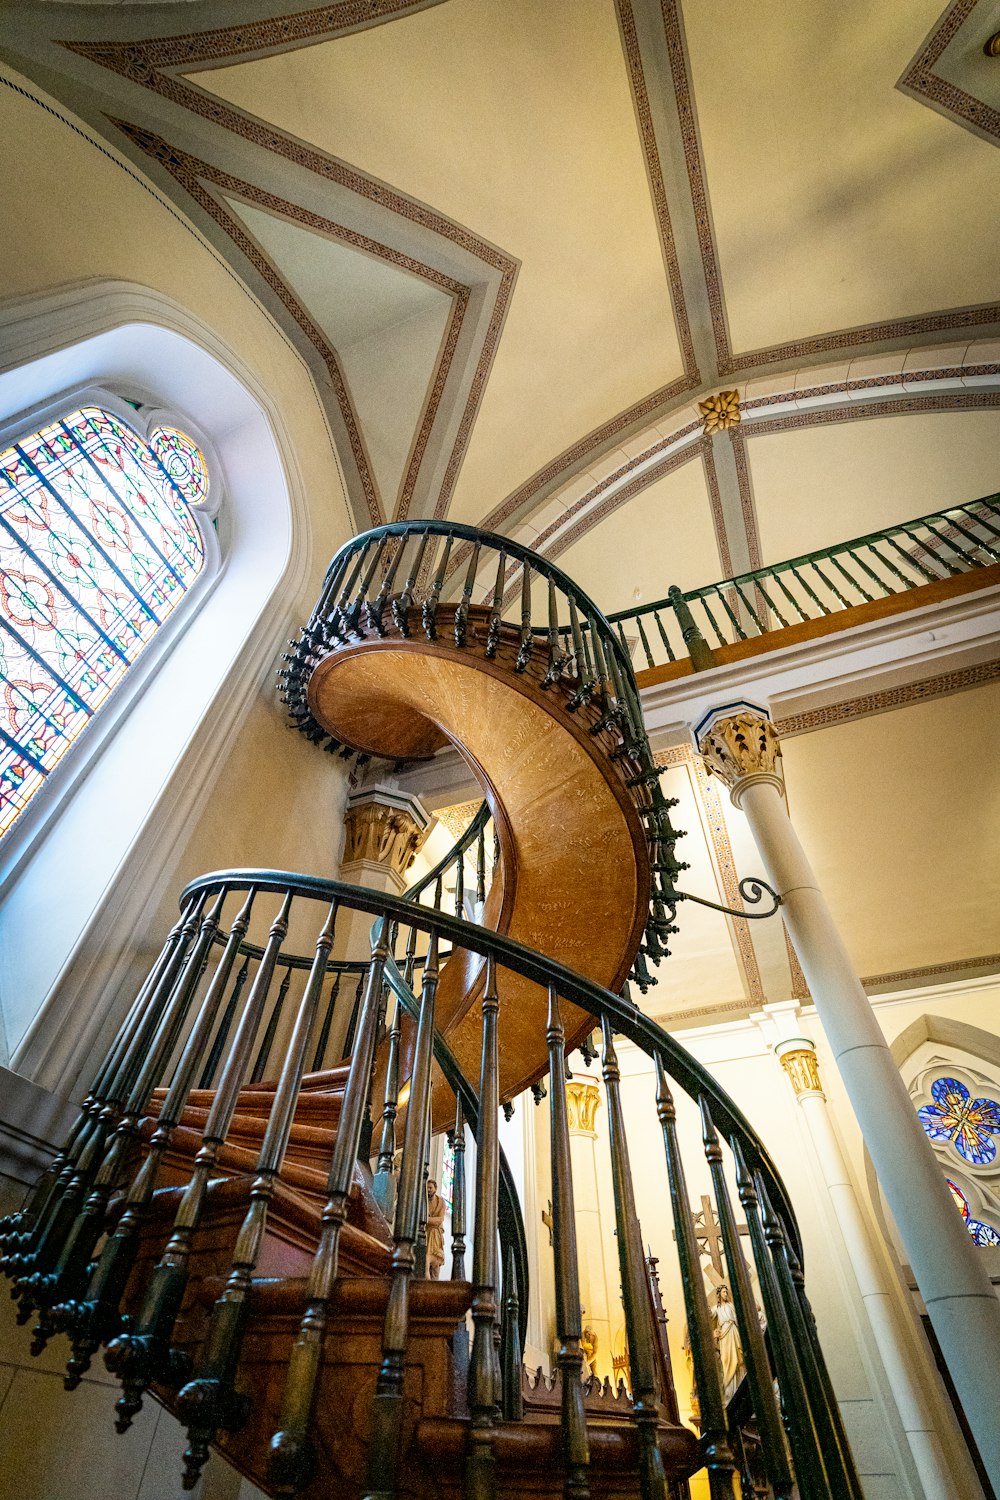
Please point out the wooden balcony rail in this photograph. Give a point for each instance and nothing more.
(935, 557)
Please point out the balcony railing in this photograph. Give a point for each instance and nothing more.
(946, 553)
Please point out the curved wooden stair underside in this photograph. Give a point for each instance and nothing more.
(574, 874)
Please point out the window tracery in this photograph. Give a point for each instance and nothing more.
(99, 543)
(959, 1109)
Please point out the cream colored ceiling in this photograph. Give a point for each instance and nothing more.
(677, 206)
(671, 540)
(385, 324)
(900, 816)
(514, 118)
(837, 201)
(822, 485)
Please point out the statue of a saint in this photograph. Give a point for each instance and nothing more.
(436, 1210)
(588, 1343)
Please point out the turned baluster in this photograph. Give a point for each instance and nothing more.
(836, 1460)
(384, 1183)
(401, 605)
(385, 1446)
(456, 1139)
(569, 1330)
(430, 606)
(639, 1329)
(353, 617)
(496, 608)
(293, 1460)
(210, 1401)
(462, 612)
(143, 1354)
(324, 1031)
(817, 1375)
(524, 649)
(225, 1026)
(263, 1055)
(810, 1471)
(758, 1367)
(484, 1386)
(708, 1377)
(510, 1343)
(21, 1230)
(96, 1319)
(69, 1277)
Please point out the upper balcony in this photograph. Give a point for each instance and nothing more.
(919, 598)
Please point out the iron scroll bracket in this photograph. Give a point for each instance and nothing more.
(752, 890)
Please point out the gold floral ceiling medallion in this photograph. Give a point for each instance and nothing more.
(720, 411)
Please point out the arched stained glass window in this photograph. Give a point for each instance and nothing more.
(98, 546)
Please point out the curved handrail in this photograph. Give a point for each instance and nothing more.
(627, 1019)
(359, 584)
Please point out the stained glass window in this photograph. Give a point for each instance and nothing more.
(97, 548)
(982, 1233)
(967, 1124)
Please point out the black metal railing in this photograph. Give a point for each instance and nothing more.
(397, 576)
(897, 560)
(117, 1146)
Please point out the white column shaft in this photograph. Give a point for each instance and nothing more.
(956, 1290)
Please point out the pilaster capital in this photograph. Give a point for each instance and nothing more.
(582, 1098)
(384, 828)
(797, 1056)
(740, 746)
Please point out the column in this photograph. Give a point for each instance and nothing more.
(384, 829)
(740, 746)
(797, 1055)
(582, 1099)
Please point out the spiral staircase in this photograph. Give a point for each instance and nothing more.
(238, 1215)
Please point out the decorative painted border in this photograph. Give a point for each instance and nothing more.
(715, 505)
(728, 362)
(191, 173)
(144, 62)
(725, 864)
(923, 83)
(988, 961)
(900, 406)
(748, 509)
(868, 704)
(640, 97)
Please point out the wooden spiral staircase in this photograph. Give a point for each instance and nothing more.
(231, 1216)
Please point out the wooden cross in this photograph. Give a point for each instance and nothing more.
(548, 1220)
(709, 1235)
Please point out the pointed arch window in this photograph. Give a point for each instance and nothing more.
(99, 544)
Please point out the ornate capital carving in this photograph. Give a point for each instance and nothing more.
(720, 411)
(802, 1066)
(738, 745)
(582, 1098)
(384, 829)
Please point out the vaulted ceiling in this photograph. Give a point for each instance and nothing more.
(519, 243)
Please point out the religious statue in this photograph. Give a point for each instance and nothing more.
(588, 1344)
(436, 1210)
(727, 1340)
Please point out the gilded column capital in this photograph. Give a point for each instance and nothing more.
(384, 828)
(740, 746)
(798, 1058)
(582, 1098)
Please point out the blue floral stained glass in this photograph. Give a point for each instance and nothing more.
(97, 548)
(981, 1232)
(967, 1124)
